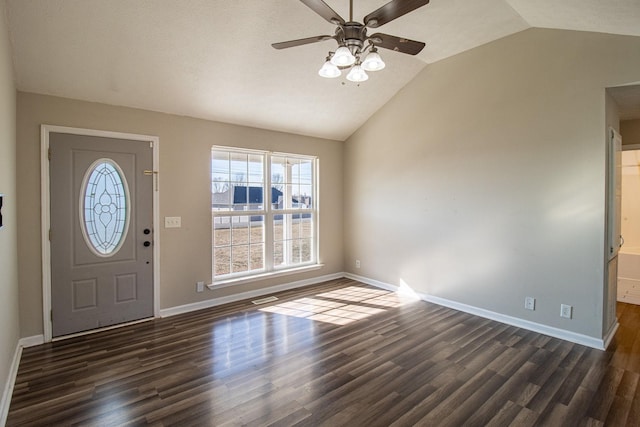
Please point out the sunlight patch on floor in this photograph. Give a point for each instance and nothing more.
(342, 306)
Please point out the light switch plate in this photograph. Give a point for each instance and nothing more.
(172, 222)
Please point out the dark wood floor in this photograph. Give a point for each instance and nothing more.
(341, 353)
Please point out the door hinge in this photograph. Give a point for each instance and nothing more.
(49, 154)
(150, 144)
(51, 314)
(50, 233)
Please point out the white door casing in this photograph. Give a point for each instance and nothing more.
(612, 230)
(614, 237)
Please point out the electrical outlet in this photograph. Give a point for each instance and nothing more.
(200, 287)
(529, 303)
(172, 222)
(357, 263)
(566, 311)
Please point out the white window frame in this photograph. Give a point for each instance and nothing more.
(269, 213)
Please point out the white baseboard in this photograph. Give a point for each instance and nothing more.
(31, 341)
(8, 387)
(574, 337)
(610, 335)
(172, 311)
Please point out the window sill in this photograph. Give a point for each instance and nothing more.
(219, 284)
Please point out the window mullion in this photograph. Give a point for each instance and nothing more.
(268, 229)
(315, 207)
(287, 219)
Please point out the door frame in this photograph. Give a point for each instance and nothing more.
(45, 130)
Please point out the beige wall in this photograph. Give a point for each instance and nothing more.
(630, 131)
(185, 145)
(483, 180)
(9, 326)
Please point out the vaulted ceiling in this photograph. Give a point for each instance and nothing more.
(212, 59)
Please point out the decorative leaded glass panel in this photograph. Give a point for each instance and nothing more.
(104, 207)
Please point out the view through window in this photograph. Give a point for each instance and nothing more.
(264, 211)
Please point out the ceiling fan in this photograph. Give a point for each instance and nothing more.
(353, 41)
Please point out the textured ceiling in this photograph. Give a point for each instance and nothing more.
(212, 59)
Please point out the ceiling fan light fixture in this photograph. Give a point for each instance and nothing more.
(357, 74)
(353, 41)
(373, 61)
(329, 70)
(343, 57)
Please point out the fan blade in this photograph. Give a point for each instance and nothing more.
(410, 47)
(300, 42)
(392, 10)
(323, 9)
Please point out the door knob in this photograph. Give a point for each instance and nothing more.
(147, 243)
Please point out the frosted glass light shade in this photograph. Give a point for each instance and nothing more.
(329, 70)
(373, 62)
(357, 74)
(343, 57)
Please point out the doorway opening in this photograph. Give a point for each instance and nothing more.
(628, 283)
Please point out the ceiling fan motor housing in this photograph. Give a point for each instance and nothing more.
(353, 34)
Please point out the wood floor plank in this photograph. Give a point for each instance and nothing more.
(503, 417)
(500, 401)
(606, 393)
(464, 403)
(369, 358)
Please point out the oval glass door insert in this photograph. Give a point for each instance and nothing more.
(104, 207)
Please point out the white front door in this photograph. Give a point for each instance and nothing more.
(101, 213)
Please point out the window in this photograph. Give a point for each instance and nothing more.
(104, 202)
(252, 235)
